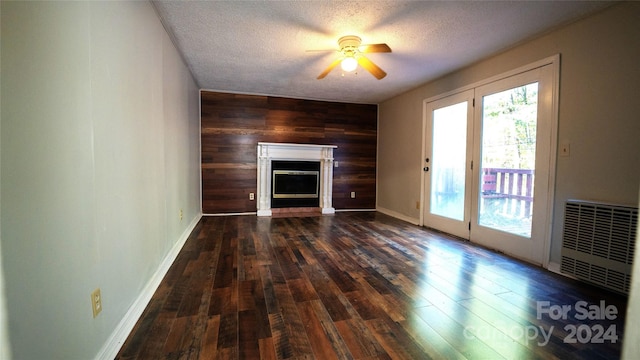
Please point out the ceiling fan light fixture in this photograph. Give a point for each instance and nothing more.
(349, 64)
(351, 51)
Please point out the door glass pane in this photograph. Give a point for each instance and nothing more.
(449, 157)
(509, 120)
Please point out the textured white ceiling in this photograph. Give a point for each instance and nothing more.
(258, 47)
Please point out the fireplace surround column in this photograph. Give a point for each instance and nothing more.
(264, 174)
(326, 184)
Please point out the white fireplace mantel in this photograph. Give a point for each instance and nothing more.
(305, 152)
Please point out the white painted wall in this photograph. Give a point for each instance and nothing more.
(631, 343)
(99, 152)
(5, 346)
(598, 115)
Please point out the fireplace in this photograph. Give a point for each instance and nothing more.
(295, 183)
(294, 175)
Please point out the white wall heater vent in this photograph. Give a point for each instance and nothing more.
(598, 243)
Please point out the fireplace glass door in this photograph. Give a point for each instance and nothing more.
(295, 183)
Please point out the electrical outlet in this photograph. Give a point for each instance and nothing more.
(96, 302)
(181, 214)
(252, 196)
(353, 194)
(336, 164)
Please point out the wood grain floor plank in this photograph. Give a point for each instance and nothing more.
(139, 338)
(355, 285)
(295, 329)
(179, 328)
(323, 336)
(302, 290)
(520, 331)
(327, 292)
(454, 334)
(155, 339)
(434, 345)
(270, 298)
(391, 306)
(281, 339)
(209, 349)
(395, 340)
(267, 349)
(288, 264)
(359, 339)
(248, 339)
(340, 277)
(228, 333)
(223, 301)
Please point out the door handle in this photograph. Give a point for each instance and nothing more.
(425, 169)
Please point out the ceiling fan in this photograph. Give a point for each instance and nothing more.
(351, 50)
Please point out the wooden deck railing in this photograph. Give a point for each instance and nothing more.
(510, 184)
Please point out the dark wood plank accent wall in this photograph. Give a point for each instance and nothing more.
(233, 124)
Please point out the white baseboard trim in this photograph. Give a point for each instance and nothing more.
(111, 347)
(397, 215)
(231, 214)
(269, 212)
(554, 267)
(353, 210)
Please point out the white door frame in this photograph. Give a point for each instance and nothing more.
(457, 227)
(553, 151)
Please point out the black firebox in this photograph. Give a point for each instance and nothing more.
(295, 184)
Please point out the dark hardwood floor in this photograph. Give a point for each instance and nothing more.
(363, 286)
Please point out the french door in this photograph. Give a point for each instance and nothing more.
(448, 182)
(487, 163)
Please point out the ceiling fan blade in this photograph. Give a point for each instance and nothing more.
(375, 48)
(329, 68)
(371, 67)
